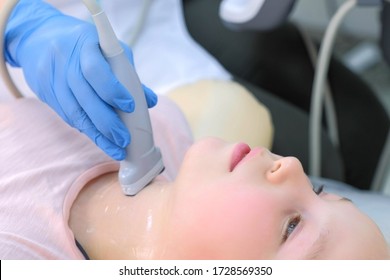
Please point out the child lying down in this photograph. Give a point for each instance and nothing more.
(215, 199)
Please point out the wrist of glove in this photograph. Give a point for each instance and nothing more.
(63, 65)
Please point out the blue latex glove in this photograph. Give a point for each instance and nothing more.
(63, 65)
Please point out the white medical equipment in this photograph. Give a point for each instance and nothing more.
(143, 161)
(256, 14)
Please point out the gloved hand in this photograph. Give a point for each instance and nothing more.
(63, 65)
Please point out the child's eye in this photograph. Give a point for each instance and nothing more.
(292, 224)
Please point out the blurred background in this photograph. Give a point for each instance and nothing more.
(277, 66)
(356, 43)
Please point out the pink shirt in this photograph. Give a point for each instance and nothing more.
(44, 164)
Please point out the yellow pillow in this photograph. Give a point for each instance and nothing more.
(224, 109)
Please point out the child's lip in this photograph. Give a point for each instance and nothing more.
(239, 152)
(242, 153)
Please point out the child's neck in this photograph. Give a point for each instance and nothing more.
(110, 225)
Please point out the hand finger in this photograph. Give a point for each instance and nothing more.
(102, 115)
(151, 97)
(79, 120)
(98, 73)
(107, 146)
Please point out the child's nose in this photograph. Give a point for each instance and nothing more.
(283, 169)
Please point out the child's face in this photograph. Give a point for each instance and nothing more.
(261, 207)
